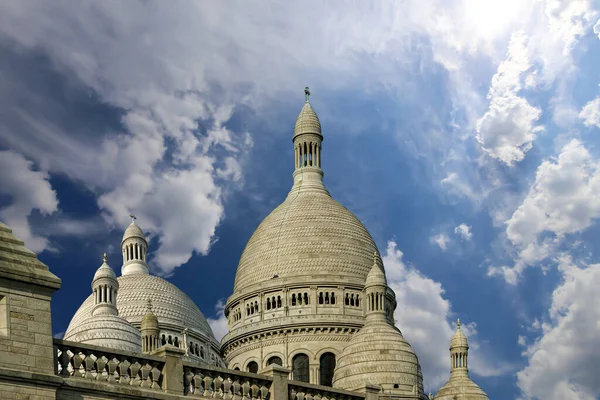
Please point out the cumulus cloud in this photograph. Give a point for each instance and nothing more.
(506, 131)
(563, 361)
(424, 314)
(219, 324)
(564, 199)
(441, 240)
(590, 113)
(29, 190)
(464, 231)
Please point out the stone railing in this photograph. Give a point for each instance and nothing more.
(306, 391)
(102, 364)
(219, 383)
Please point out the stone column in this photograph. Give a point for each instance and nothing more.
(341, 299)
(279, 387)
(313, 300)
(173, 370)
(27, 364)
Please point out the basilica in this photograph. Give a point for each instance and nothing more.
(310, 298)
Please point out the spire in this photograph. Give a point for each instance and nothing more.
(306, 93)
(105, 287)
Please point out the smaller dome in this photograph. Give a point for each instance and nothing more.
(149, 321)
(376, 276)
(307, 121)
(379, 355)
(459, 339)
(109, 331)
(105, 271)
(133, 230)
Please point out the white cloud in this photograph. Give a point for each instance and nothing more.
(590, 113)
(464, 231)
(423, 316)
(563, 361)
(597, 29)
(441, 240)
(506, 131)
(219, 324)
(564, 199)
(29, 190)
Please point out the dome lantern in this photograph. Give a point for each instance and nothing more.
(307, 149)
(460, 385)
(105, 287)
(134, 247)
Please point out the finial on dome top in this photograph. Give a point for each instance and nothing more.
(375, 257)
(149, 304)
(133, 217)
(104, 258)
(306, 93)
(458, 323)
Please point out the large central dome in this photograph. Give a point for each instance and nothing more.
(308, 235)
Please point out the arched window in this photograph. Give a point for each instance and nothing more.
(300, 368)
(201, 351)
(305, 298)
(320, 297)
(268, 304)
(332, 298)
(252, 367)
(278, 301)
(326, 368)
(326, 297)
(275, 360)
(176, 342)
(293, 299)
(357, 302)
(170, 341)
(163, 340)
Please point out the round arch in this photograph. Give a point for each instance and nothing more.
(301, 367)
(327, 362)
(326, 350)
(302, 350)
(249, 362)
(270, 355)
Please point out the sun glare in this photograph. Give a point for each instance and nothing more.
(491, 18)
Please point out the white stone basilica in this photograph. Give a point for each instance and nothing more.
(310, 295)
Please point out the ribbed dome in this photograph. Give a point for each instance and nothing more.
(170, 305)
(105, 271)
(459, 339)
(461, 388)
(307, 121)
(376, 276)
(309, 234)
(149, 321)
(133, 230)
(379, 355)
(107, 331)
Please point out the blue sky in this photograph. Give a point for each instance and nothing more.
(462, 133)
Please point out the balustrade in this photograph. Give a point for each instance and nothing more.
(83, 361)
(220, 383)
(306, 391)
